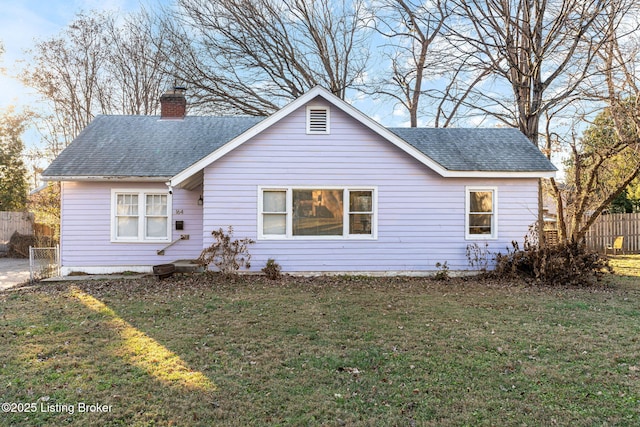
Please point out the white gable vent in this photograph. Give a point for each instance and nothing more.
(317, 120)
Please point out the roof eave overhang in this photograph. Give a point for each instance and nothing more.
(109, 178)
(292, 106)
(178, 179)
(499, 174)
(367, 121)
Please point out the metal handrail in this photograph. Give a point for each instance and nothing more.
(182, 237)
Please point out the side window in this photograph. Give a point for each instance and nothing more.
(481, 213)
(360, 211)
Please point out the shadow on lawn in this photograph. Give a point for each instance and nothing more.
(322, 351)
(145, 352)
(75, 361)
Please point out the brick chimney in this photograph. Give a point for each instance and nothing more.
(173, 104)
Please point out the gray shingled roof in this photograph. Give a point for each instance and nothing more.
(490, 149)
(145, 146)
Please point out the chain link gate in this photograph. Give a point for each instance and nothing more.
(44, 263)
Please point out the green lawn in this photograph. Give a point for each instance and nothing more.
(322, 351)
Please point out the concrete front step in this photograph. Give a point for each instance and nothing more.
(188, 266)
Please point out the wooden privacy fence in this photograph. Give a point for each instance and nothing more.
(607, 227)
(10, 222)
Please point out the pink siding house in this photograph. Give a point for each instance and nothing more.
(318, 185)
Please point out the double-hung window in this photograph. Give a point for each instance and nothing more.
(140, 216)
(126, 216)
(274, 212)
(360, 212)
(481, 213)
(156, 216)
(317, 213)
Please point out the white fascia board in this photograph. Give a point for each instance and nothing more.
(289, 108)
(423, 158)
(361, 118)
(499, 174)
(106, 178)
(367, 121)
(250, 133)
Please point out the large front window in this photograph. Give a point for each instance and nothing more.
(317, 213)
(140, 216)
(481, 213)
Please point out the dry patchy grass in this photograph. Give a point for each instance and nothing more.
(205, 350)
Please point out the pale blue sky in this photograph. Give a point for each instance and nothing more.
(23, 21)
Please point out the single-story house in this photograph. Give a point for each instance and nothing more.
(318, 185)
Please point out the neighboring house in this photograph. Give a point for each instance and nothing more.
(318, 185)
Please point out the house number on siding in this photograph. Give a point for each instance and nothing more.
(179, 211)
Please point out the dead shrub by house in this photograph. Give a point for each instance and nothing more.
(272, 269)
(568, 264)
(226, 253)
(478, 256)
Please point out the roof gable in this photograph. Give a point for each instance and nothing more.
(148, 148)
(414, 141)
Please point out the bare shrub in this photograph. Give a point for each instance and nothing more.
(443, 271)
(226, 253)
(565, 264)
(272, 269)
(478, 256)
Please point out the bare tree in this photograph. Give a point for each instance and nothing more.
(100, 64)
(251, 56)
(2, 70)
(413, 30)
(68, 74)
(607, 157)
(136, 69)
(542, 50)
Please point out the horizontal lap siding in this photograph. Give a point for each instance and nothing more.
(187, 202)
(86, 227)
(420, 214)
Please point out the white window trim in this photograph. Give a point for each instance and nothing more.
(345, 219)
(142, 200)
(308, 120)
(494, 216)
